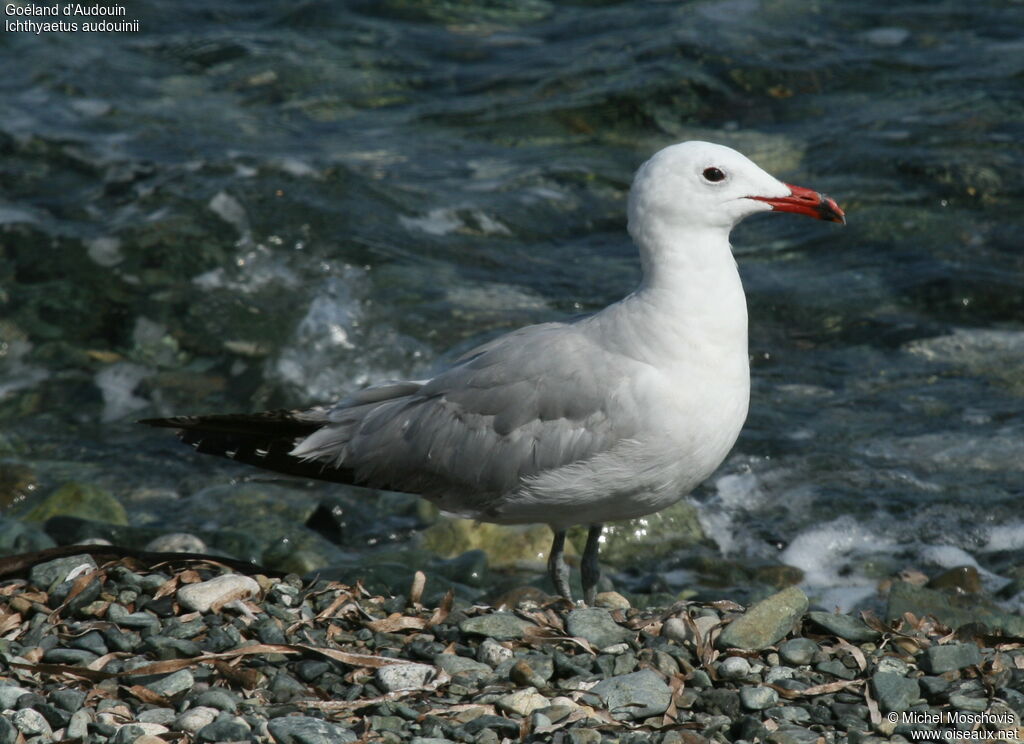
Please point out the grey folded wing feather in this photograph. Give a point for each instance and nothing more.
(535, 399)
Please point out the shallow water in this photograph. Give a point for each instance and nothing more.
(247, 205)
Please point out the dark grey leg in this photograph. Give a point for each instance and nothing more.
(558, 569)
(588, 567)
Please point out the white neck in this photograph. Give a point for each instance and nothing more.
(689, 308)
(691, 276)
(683, 259)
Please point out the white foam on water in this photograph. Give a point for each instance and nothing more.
(117, 384)
(254, 269)
(950, 556)
(735, 495)
(828, 555)
(447, 220)
(337, 347)
(947, 556)
(153, 344)
(229, 209)
(1005, 537)
(981, 347)
(434, 222)
(15, 373)
(995, 450)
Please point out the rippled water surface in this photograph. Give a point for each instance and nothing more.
(259, 204)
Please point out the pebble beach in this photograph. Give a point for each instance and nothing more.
(188, 650)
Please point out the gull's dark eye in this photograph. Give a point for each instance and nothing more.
(713, 174)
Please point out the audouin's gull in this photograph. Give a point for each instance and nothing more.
(610, 416)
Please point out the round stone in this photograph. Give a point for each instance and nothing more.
(798, 651)
(758, 698)
(733, 667)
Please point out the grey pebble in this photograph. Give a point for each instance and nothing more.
(311, 670)
(173, 684)
(939, 659)
(968, 703)
(894, 665)
(492, 653)
(217, 698)
(798, 651)
(225, 728)
(679, 630)
(67, 699)
(758, 698)
(142, 620)
(778, 673)
(848, 628)
(48, 574)
(72, 656)
(78, 726)
(836, 668)
(202, 596)
(789, 734)
(92, 642)
(128, 733)
(463, 666)
(797, 714)
(395, 677)
(765, 623)
(499, 725)
(163, 716)
(893, 692)
(9, 695)
(733, 667)
(596, 625)
(193, 719)
(584, 736)
(31, 722)
(634, 696)
(54, 716)
(502, 626)
(700, 680)
(934, 685)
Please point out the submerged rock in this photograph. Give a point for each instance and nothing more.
(655, 536)
(21, 537)
(79, 500)
(954, 610)
(505, 545)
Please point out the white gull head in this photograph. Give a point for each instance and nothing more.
(700, 184)
(688, 197)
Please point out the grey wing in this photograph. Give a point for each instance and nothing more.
(533, 400)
